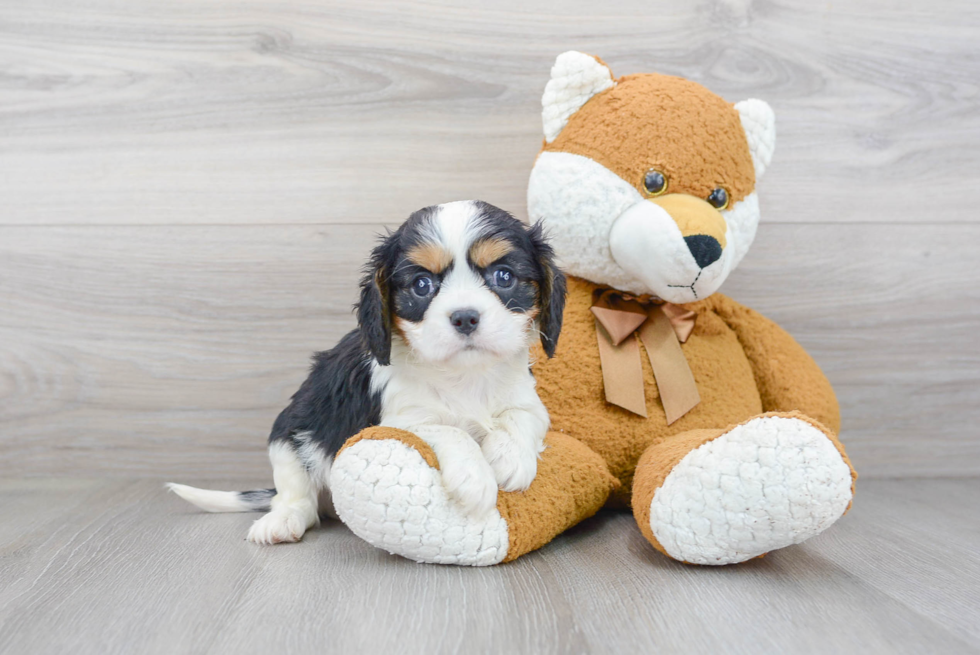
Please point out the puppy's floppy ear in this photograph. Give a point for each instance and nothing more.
(374, 309)
(552, 290)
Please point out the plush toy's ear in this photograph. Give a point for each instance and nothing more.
(374, 308)
(759, 123)
(575, 78)
(552, 291)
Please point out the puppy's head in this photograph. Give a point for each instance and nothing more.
(461, 283)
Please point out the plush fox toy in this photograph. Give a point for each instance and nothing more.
(706, 418)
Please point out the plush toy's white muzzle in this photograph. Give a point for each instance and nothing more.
(604, 231)
(648, 243)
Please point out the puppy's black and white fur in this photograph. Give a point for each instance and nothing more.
(450, 303)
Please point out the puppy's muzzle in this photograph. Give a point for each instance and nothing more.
(465, 320)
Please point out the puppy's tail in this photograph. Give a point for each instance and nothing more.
(257, 500)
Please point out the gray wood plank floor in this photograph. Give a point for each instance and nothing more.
(120, 566)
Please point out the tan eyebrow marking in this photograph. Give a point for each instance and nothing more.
(486, 251)
(430, 256)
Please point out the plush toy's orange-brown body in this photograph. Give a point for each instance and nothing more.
(745, 366)
(646, 184)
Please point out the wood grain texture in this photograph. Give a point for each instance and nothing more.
(336, 112)
(170, 350)
(189, 189)
(121, 567)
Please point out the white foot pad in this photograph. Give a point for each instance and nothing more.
(769, 483)
(389, 496)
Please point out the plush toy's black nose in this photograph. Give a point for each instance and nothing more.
(465, 320)
(706, 250)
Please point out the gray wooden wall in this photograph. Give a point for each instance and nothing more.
(187, 190)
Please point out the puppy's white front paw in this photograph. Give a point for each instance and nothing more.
(471, 482)
(277, 527)
(514, 466)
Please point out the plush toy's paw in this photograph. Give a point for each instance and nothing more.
(389, 490)
(768, 483)
(514, 466)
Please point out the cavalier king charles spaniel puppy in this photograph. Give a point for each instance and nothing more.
(449, 306)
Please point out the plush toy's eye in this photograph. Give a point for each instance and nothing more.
(718, 198)
(503, 278)
(422, 286)
(654, 182)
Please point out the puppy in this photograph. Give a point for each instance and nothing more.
(449, 306)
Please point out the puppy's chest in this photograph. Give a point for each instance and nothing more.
(471, 401)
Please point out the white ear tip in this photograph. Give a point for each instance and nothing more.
(571, 60)
(759, 123)
(575, 78)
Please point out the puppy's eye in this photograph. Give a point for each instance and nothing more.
(504, 278)
(654, 182)
(422, 286)
(718, 198)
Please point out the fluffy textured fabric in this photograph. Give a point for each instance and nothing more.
(591, 197)
(573, 483)
(743, 363)
(692, 491)
(388, 489)
(378, 433)
(665, 123)
(575, 78)
(759, 123)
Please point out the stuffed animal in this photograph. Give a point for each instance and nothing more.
(705, 417)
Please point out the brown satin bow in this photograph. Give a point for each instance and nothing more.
(662, 327)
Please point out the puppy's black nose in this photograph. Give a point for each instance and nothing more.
(706, 250)
(465, 320)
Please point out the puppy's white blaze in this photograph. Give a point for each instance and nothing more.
(456, 227)
(212, 500)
